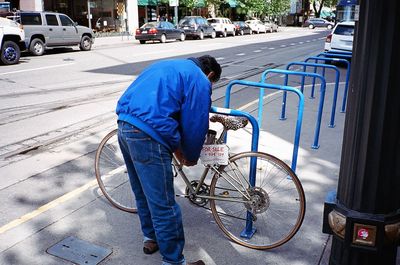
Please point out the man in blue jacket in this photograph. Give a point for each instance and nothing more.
(164, 111)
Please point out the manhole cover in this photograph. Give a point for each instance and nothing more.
(79, 251)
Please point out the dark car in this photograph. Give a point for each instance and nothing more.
(160, 31)
(318, 23)
(197, 27)
(107, 24)
(242, 28)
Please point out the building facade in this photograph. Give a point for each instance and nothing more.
(100, 15)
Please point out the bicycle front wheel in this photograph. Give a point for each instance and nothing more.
(111, 174)
(261, 216)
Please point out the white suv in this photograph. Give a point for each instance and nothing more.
(12, 38)
(341, 38)
(223, 26)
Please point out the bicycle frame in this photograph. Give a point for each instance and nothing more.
(195, 192)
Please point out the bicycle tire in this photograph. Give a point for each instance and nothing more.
(279, 212)
(111, 174)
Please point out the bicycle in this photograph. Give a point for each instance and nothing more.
(260, 216)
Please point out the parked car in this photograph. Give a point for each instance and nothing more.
(256, 26)
(242, 28)
(50, 29)
(107, 24)
(160, 31)
(197, 27)
(223, 26)
(12, 41)
(318, 23)
(271, 26)
(341, 38)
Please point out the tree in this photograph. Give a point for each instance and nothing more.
(319, 4)
(277, 7)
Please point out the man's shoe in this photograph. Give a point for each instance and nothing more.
(199, 262)
(149, 247)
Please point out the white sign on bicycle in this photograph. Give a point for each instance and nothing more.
(213, 154)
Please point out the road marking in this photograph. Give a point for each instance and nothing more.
(271, 48)
(36, 69)
(256, 100)
(301, 42)
(56, 202)
(283, 46)
(240, 54)
(219, 58)
(257, 51)
(292, 44)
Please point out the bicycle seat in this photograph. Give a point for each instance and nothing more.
(230, 122)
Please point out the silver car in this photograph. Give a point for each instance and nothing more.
(50, 29)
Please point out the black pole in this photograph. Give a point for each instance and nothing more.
(365, 217)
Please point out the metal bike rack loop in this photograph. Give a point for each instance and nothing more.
(275, 87)
(264, 76)
(323, 66)
(249, 230)
(339, 60)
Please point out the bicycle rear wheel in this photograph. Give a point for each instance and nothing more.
(111, 174)
(263, 216)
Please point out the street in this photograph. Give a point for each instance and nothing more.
(54, 111)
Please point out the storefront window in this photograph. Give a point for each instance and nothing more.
(106, 15)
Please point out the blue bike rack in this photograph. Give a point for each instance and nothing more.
(255, 128)
(343, 59)
(275, 87)
(249, 230)
(323, 66)
(264, 75)
(342, 54)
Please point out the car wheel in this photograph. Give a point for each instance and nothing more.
(329, 26)
(36, 47)
(10, 53)
(224, 34)
(201, 35)
(182, 37)
(86, 43)
(241, 32)
(163, 38)
(311, 26)
(233, 33)
(213, 34)
(142, 41)
(258, 31)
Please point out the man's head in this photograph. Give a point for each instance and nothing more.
(210, 67)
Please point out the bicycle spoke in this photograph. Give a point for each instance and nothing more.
(276, 202)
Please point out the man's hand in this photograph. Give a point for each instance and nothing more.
(181, 159)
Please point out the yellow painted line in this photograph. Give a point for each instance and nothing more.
(46, 207)
(56, 202)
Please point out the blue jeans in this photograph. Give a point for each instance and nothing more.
(150, 173)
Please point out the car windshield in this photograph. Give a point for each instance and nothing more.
(214, 20)
(151, 25)
(346, 30)
(186, 22)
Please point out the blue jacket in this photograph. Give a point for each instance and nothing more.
(170, 101)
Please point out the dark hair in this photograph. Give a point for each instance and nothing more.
(209, 64)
